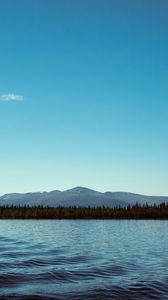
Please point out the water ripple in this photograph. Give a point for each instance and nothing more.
(83, 260)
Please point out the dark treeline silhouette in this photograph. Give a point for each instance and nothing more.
(130, 212)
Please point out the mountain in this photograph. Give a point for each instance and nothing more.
(79, 196)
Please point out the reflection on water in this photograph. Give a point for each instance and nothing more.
(83, 259)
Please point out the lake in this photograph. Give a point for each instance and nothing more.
(83, 259)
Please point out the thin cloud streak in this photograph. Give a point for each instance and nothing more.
(11, 97)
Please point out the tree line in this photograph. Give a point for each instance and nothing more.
(130, 212)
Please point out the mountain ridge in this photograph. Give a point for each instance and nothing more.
(79, 196)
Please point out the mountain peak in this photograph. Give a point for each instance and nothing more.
(81, 190)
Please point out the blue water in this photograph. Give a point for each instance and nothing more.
(83, 259)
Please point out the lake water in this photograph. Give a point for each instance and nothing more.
(83, 259)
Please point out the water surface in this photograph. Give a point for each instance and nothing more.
(83, 259)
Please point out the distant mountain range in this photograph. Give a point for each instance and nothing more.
(79, 196)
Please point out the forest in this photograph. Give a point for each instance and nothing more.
(130, 212)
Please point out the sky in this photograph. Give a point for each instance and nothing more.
(84, 95)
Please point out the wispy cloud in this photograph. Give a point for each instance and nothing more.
(11, 97)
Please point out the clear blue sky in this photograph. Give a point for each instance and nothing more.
(84, 95)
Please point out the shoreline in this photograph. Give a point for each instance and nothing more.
(136, 212)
